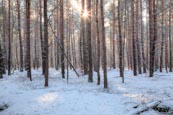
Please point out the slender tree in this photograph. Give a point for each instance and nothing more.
(142, 39)
(41, 37)
(62, 37)
(98, 43)
(88, 28)
(133, 40)
(162, 41)
(46, 43)
(137, 37)
(120, 44)
(28, 56)
(20, 36)
(9, 37)
(170, 36)
(104, 59)
(153, 34)
(113, 35)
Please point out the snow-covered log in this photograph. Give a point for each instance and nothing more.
(144, 108)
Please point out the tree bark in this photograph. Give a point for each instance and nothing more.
(20, 37)
(133, 41)
(104, 58)
(46, 44)
(62, 38)
(88, 27)
(9, 37)
(28, 57)
(98, 43)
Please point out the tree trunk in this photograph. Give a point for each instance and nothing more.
(98, 43)
(46, 44)
(28, 57)
(170, 37)
(133, 41)
(137, 38)
(62, 38)
(142, 39)
(120, 44)
(20, 37)
(104, 58)
(88, 27)
(162, 43)
(9, 37)
(113, 37)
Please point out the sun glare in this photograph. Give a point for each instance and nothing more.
(85, 14)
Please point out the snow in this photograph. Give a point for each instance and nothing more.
(80, 97)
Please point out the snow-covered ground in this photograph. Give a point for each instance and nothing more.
(79, 97)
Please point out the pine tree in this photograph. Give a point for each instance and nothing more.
(120, 44)
(98, 43)
(88, 28)
(46, 43)
(62, 37)
(133, 40)
(9, 37)
(20, 36)
(28, 56)
(104, 58)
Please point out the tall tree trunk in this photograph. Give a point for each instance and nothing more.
(85, 41)
(104, 58)
(98, 43)
(41, 38)
(28, 57)
(9, 37)
(4, 39)
(133, 41)
(153, 34)
(88, 27)
(120, 44)
(46, 44)
(137, 37)
(142, 39)
(20, 37)
(163, 36)
(170, 37)
(62, 38)
(113, 37)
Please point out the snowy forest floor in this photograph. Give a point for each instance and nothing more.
(79, 97)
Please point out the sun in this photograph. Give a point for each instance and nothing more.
(85, 14)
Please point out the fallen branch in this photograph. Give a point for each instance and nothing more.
(65, 55)
(144, 108)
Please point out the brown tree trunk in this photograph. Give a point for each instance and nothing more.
(142, 39)
(113, 37)
(120, 44)
(41, 38)
(153, 34)
(62, 38)
(20, 37)
(46, 44)
(133, 41)
(9, 37)
(88, 27)
(137, 37)
(28, 57)
(170, 37)
(104, 58)
(98, 43)
(163, 36)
